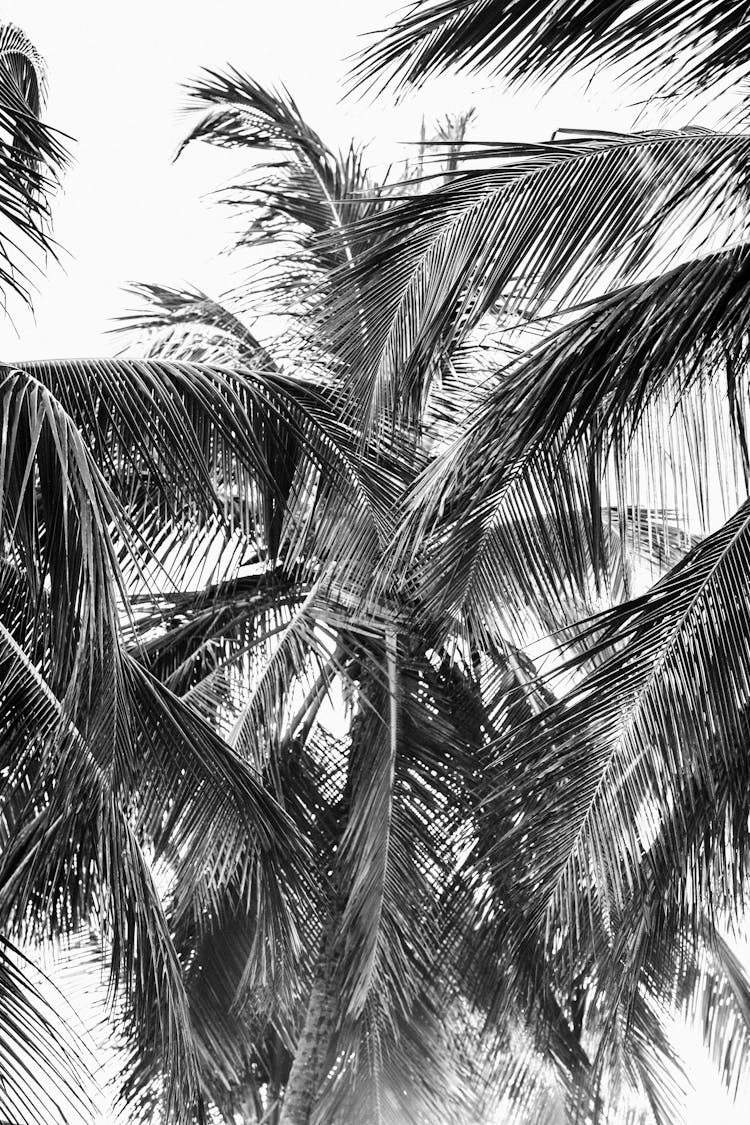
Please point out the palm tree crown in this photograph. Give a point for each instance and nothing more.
(375, 688)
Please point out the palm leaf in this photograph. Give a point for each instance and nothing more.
(541, 226)
(687, 48)
(516, 487)
(391, 1055)
(306, 197)
(263, 452)
(32, 158)
(667, 721)
(189, 320)
(720, 1003)
(82, 719)
(41, 1075)
(196, 794)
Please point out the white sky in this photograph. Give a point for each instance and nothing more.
(129, 214)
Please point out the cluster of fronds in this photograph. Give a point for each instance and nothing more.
(393, 669)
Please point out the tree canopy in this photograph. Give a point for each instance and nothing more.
(374, 663)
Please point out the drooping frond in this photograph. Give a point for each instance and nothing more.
(41, 1079)
(686, 47)
(532, 556)
(188, 322)
(243, 1017)
(403, 797)
(171, 435)
(513, 987)
(261, 451)
(93, 839)
(539, 227)
(99, 759)
(56, 516)
(302, 201)
(498, 497)
(635, 742)
(719, 1000)
(32, 157)
(139, 761)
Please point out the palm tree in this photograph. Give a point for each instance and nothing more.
(486, 887)
(632, 250)
(165, 524)
(382, 799)
(106, 773)
(503, 870)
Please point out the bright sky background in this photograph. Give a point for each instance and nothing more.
(129, 214)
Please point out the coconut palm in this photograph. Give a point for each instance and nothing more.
(474, 890)
(630, 784)
(490, 861)
(163, 521)
(106, 468)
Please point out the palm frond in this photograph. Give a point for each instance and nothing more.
(646, 1062)
(42, 1075)
(32, 158)
(638, 736)
(506, 492)
(530, 556)
(404, 774)
(198, 641)
(93, 838)
(513, 986)
(687, 48)
(192, 320)
(541, 226)
(303, 199)
(95, 758)
(261, 451)
(720, 1004)
(56, 516)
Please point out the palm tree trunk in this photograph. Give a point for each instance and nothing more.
(308, 1068)
(309, 1061)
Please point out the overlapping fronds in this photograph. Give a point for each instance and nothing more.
(187, 324)
(300, 203)
(513, 987)
(137, 761)
(403, 796)
(242, 1014)
(527, 228)
(98, 757)
(50, 838)
(262, 452)
(633, 745)
(536, 452)
(405, 786)
(185, 439)
(472, 889)
(56, 516)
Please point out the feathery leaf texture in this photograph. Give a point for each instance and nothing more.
(32, 158)
(324, 693)
(688, 47)
(527, 229)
